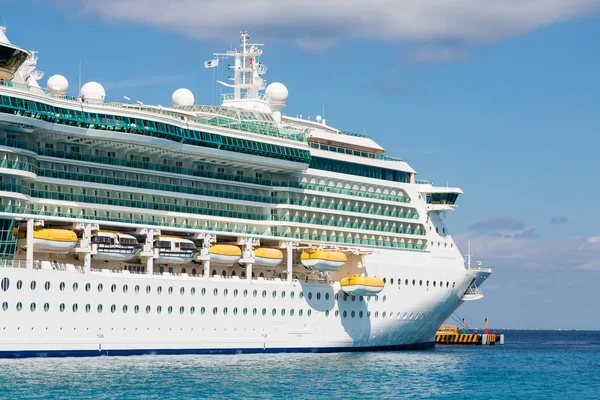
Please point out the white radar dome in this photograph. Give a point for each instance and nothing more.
(182, 97)
(92, 91)
(276, 93)
(58, 84)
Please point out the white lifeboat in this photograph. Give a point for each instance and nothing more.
(323, 260)
(267, 257)
(225, 254)
(174, 250)
(114, 246)
(362, 285)
(47, 240)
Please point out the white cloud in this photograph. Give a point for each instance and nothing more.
(327, 21)
(436, 53)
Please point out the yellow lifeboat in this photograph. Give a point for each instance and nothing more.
(47, 240)
(267, 257)
(323, 260)
(362, 285)
(225, 254)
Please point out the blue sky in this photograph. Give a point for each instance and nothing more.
(498, 97)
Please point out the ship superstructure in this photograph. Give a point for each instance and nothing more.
(128, 228)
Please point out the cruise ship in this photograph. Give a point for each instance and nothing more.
(136, 229)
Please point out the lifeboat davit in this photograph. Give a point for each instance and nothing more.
(362, 285)
(225, 254)
(174, 250)
(114, 246)
(47, 240)
(323, 260)
(267, 257)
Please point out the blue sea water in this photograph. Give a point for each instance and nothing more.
(532, 365)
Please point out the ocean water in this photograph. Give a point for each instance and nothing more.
(532, 365)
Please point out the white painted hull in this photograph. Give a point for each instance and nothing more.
(405, 317)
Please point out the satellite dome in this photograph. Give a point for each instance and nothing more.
(92, 91)
(58, 84)
(182, 97)
(276, 93)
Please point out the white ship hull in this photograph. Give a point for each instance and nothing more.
(400, 317)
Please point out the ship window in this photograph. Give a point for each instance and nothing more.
(214, 272)
(32, 285)
(274, 293)
(345, 314)
(215, 310)
(62, 307)
(235, 293)
(283, 294)
(301, 295)
(352, 314)
(182, 290)
(353, 297)
(194, 272)
(62, 286)
(225, 292)
(433, 283)
(254, 293)
(113, 308)
(274, 312)
(170, 289)
(291, 312)
(100, 287)
(447, 284)
(383, 315)
(170, 309)
(32, 307)
(414, 282)
(360, 314)
(215, 292)
(337, 313)
(75, 286)
(47, 285)
(254, 311)
(264, 312)
(148, 309)
(159, 290)
(136, 289)
(148, 289)
(300, 312)
(225, 311)
(420, 283)
(192, 310)
(292, 294)
(384, 298)
(384, 280)
(4, 306)
(318, 295)
(376, 314)
(75, 307)
(264, 293)
(20, 306)
(113, 288)
(203, 291)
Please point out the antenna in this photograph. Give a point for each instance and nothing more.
(126, 98)
(139, 102)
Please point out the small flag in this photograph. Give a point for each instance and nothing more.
(26, 79)
(211, 63)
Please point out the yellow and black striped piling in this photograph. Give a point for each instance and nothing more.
(449, 334)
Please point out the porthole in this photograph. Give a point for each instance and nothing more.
(391, 281)
(274, 312)
(441, 284)
(254, 293)
(447, 284)
(170, 289)
(245, 292)
(136, 289)
(406, 282)
(148, 289)
(235, 292)
(113, 308)
(301, 295)
(125, 309)
(125, 288)
(384, 281)
(335, 297)
(61, 286)
(32, 307)
(427, 283)
(283, 294)
(20, 285)
(414, 282)
(245, 311)
(310, 295)
(345, 314)
(360, 314)
(283, 312)
(75, 307)
(62, 307)
(327, 313)
(170, 309)
(318, 295)
(47, 285)
(353, 297)
(345, 297)
(203, 291)
(353, 314)
(181, 310)
(376, 298)
(308, 313)
(410, 316)
(225, 292)
(159, 290)
(113, 288)
(215, 311)
(300, 312)
(254, 311)
(384, 298)
(5, 284)
(148, 309)
(193, 291)
(75, 286)
(264, 312)
(215, 292)
(383, 315)
(337, 313)
(361, 298)
(235, 310)
(136, 309)
(202, 310)
(274, 293)
(32, 285)
(292, 312)
(192, 310)
(46, 307)
(88, 287)
(376, 314)
(99, 308)
(20, 306)
(326, 296)
(292, 295)
(264, 293)
(182, 290)
(420, 283)
(100, 287)
(158, 309)
(87, 308)
(368, 314)
(434, 283)
(5, 306)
